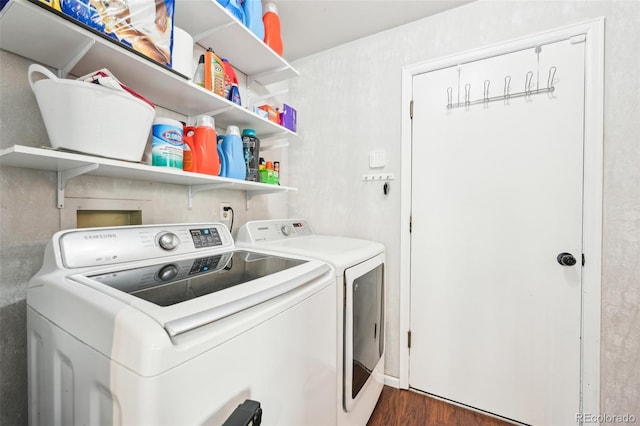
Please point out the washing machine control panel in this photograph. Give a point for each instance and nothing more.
(273, 230)
(104, 246)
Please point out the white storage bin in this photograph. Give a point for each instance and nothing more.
(91, 118)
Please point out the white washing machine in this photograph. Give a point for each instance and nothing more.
(174, 325)
(359, 268)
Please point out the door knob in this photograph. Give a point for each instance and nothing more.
(566, 259)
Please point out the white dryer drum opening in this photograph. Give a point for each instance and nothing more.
(363, 327)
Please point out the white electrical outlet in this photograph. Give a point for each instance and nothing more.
(225, 216)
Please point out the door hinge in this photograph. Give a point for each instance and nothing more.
(409, 339)
(582, 259)
(411, 109)
(410, 224)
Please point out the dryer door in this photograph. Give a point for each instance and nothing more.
(363, 326)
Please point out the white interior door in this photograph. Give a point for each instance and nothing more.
(496, 197)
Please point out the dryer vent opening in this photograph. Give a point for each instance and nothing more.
(95, 218)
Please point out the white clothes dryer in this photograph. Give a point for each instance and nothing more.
(172, 324)
(359, 268)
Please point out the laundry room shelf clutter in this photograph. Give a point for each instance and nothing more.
(34, 31)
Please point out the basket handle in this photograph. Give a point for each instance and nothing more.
(34, 68)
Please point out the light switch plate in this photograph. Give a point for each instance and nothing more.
(377, 159)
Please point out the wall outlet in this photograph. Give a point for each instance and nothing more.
(225, 216)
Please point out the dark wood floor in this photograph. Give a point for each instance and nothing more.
(397, 407)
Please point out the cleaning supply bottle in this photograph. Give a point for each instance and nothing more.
(251, 151)
(276, 173)
(202, 147)
(262, 170)
(269, 175)
(198, 77)
(253, 17)
(232, 156)
(230, 80)
(213, 73)
(223, 164)
(272, 35)
(233, 6)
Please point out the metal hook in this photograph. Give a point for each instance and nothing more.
(486, 90)
(507, 84)
(449, 97)
(552, 74)
(528, 81)
(467, 94)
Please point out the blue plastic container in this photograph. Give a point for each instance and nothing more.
(232, 155)
(253, 17)
(236, 10)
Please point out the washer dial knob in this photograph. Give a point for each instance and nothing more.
(285, 230)
(168, 241)
(168, 272)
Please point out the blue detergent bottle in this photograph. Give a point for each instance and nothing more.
(253, 17)
(232, 156)
(223, 169)
(236, 10)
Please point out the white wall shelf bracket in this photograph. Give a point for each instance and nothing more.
(65, 175)
(64, 72)
(194, 189)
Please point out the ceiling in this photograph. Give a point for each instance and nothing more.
(311, 26)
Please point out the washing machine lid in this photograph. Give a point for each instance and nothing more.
(295, 236)
(185, 293)
(342, 252)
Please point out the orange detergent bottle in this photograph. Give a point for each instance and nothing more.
(201, 147)
(271, 20)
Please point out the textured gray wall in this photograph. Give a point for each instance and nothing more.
(350, 97)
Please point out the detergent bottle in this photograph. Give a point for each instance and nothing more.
(232, 154)
(253, 17)
(202, 151)
(223, 164)
(232, 92)
(234, 7)
(213, 72)
(230, 78)
(251, 151)
(271, 20)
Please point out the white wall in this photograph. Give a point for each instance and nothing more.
(348, 100)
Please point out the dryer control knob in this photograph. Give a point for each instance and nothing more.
(168, 241)
(285, 230)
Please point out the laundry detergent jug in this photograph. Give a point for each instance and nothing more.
(201, 151)
(231, 155)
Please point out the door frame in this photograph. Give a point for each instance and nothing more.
(592, 193)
